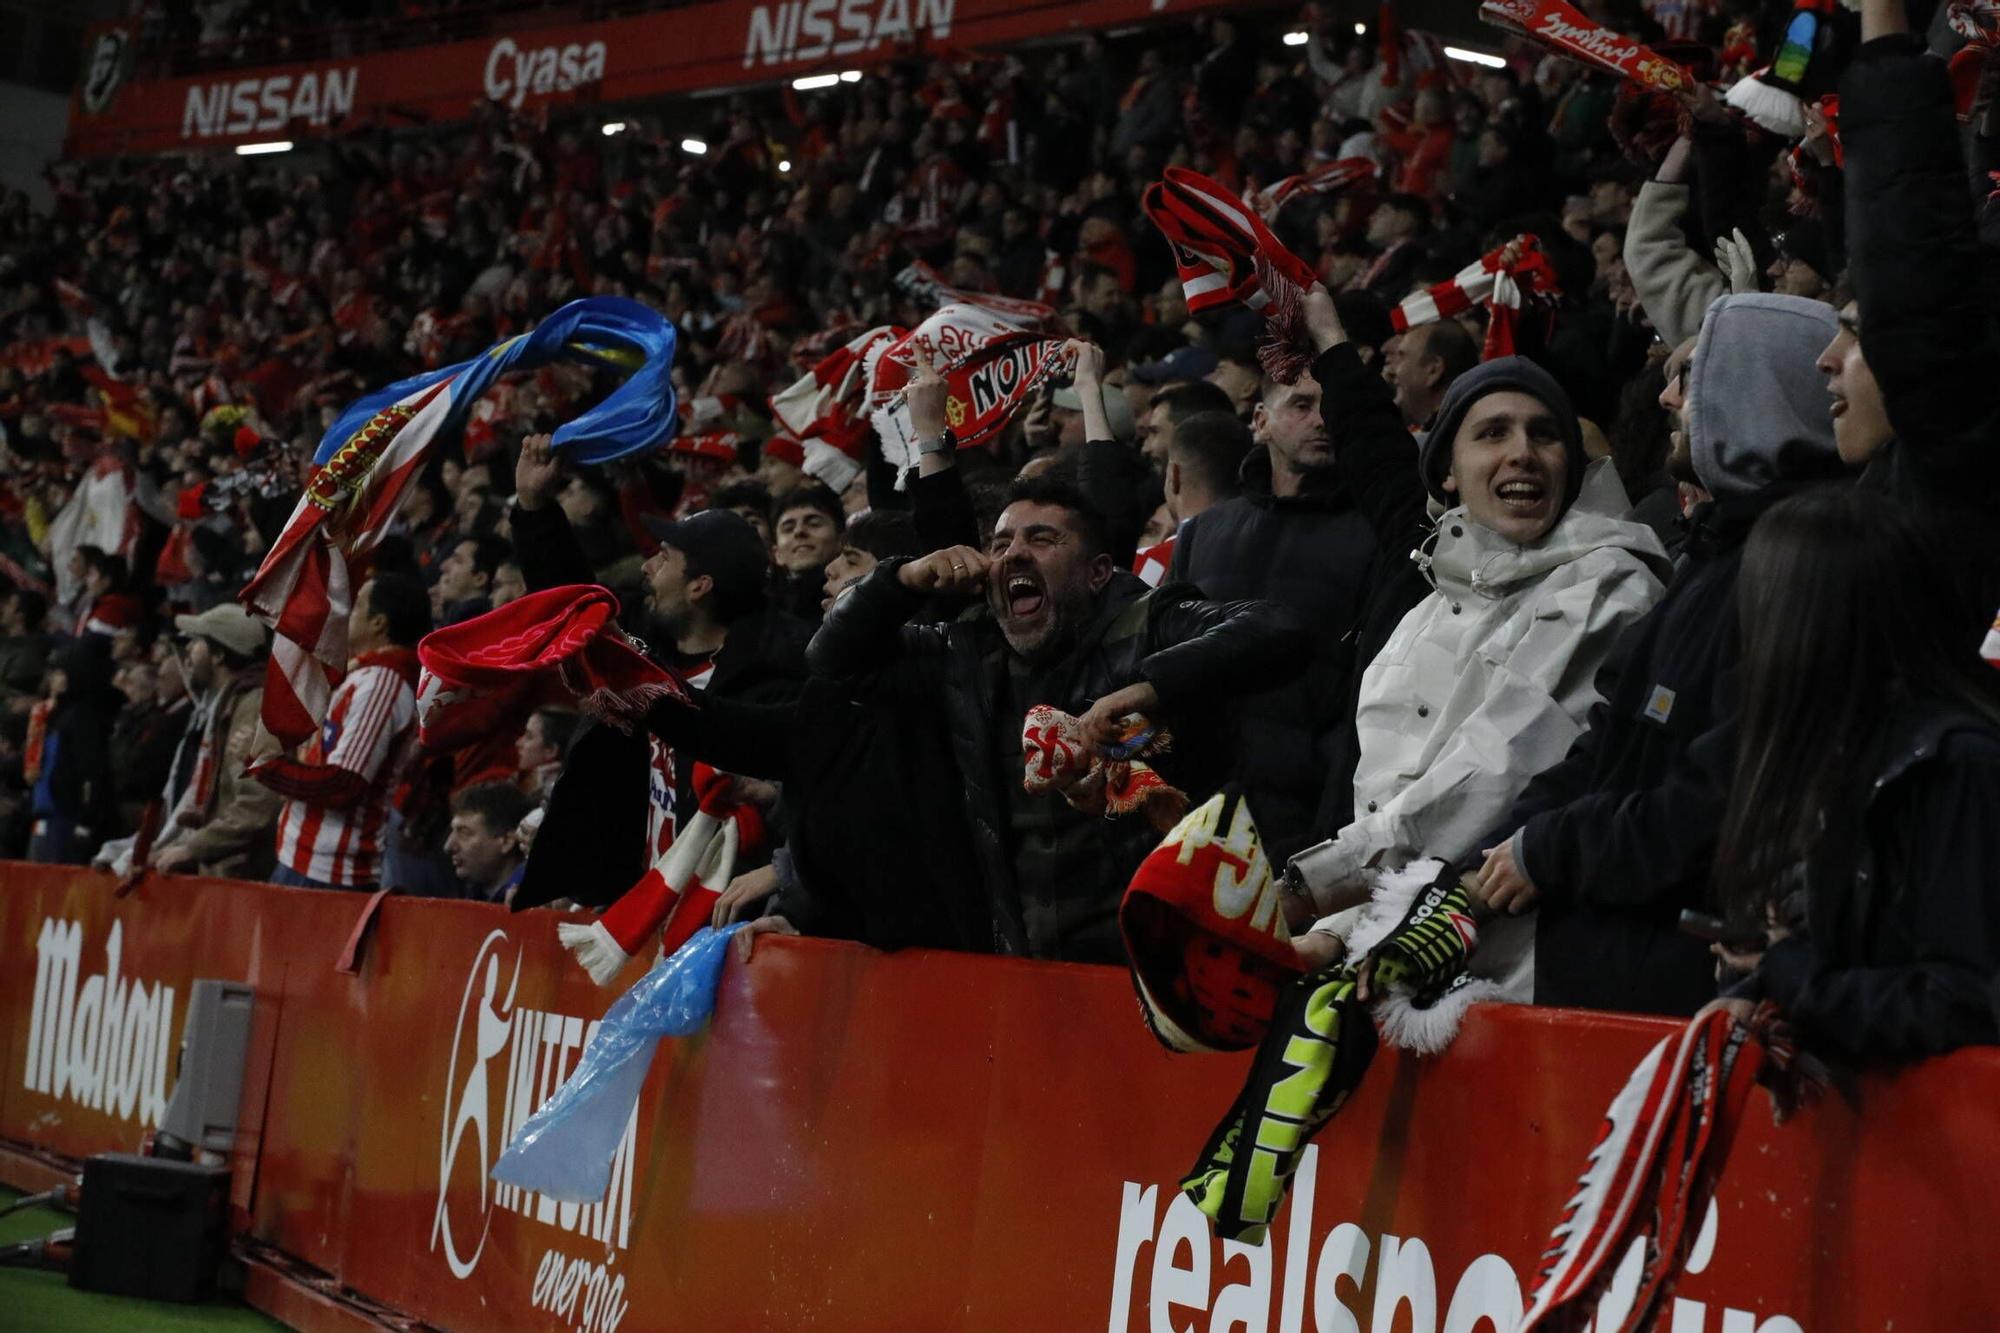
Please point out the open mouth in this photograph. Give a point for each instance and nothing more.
(1024, 595)
(1522, 496)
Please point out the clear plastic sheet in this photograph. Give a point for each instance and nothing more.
(565, 1149)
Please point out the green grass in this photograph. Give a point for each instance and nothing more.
(33, 1301)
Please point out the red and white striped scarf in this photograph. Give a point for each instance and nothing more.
(1226, 255)
(926, 285)
(1488, 282)
(1666, 1137)
(1570, 32)
(1335, 177)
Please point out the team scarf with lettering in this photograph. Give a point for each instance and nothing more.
(928, 287)
(678, 892)
(1665, 1140)
(1204, 932)
(1336, 177)
(556, 645)
(1313, 1055)
(1487, 281)
(1570, 32)
(1058, 760)
(1225, 255)
(1311, 1060)
(375, 448)
(991, 366)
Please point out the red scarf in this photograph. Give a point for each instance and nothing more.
(1570, 32)
(550, 644)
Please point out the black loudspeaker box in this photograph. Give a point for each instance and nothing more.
(150, 1227)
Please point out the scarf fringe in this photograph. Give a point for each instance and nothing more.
(626, 708)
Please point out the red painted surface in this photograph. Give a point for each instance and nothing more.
(931, 1141)
(711, 44)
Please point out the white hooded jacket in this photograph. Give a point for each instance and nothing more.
(1487, 681)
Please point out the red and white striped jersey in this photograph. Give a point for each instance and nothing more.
(1152, 563)
(370, 731)
(662, 780)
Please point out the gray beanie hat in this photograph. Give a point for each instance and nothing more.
(1507, 372)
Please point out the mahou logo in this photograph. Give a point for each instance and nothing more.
(506, 1061)
(103, 1041)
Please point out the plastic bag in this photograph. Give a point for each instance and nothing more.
(565, 1149)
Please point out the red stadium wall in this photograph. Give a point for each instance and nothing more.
(713, 44)
(923, 1141)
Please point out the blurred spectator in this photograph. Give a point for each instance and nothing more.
(338, 790)
(1426, 361)
(1171, 405)
(541, 749)
(1205, 455)
(805, 525)
(221, 821)
(24, 647)
(69, 757)
(464, 585)
(484, 842)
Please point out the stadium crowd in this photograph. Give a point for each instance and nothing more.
(1677, 607)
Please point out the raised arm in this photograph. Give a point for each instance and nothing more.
(1914, 257)
(1375, 456)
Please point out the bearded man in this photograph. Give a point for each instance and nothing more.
(1067, 628)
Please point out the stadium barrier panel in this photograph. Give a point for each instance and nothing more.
(920, 1141)
(527, 63)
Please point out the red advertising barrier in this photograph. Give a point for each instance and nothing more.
(713, 44)
(921, 1141)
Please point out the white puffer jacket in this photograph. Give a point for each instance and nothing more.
(1487, 681)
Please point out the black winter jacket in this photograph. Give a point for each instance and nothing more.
(1903, 941)
(592, 844)
(1926, 329)
(1618, 838)
(1312, 554)
(878, 858)
(1193, 652)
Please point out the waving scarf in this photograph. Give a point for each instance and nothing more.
(372, 451)
(992, 368)
(1490, 282)
(1226, 255)
(926, 285)
(1572, 33)
(557, 644)
(1326, 178)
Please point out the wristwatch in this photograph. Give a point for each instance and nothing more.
(1291, 882)
(942, 444)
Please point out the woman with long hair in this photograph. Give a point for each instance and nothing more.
(1862, 838)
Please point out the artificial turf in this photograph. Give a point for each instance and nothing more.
(34, 1301)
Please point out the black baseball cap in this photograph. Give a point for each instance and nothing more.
(721, 544)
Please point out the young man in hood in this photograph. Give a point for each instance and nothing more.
(1536, 571)
(1613, 842)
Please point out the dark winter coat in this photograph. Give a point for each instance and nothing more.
(878, 857)
(1314, 555)
(1928, 334)
(1903, 939)
(1193, 652)
(592, 843)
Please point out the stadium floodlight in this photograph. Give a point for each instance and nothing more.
(812, 81)
(1360, 29)
(1475, 57)
(785, 165)
(256, 149)
(612, 127)
(695, 146)
(1295, 39)
(850, 76)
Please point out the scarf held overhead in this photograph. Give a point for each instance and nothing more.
(380, 443)
(1225, 255)
(1489, 281)
(990, 366)
(1572, 33)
